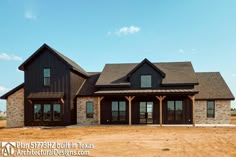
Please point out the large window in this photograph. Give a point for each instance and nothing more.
(118, 110)
(175, 111)
(47, 112)
(89, 109)
(37, 112)
(210, 109)
(146, 81)
(56, 112)
(46, 76)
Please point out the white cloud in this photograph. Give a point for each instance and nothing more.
(195, 51)
(3, 89)
(5, 56)
(30, 15)
(181, 50)
(126, 30)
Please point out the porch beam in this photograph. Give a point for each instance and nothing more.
(160, 98)
(99, 109)
(193, 107)
(130, 98)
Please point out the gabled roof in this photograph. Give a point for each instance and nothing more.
(88, 88)
(212, 86)
(5, 96)
(175, 73)
(68, 61)
(150, 64)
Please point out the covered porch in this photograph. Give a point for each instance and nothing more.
(146, 107)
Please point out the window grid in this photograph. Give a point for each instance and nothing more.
(46, 76)
(146, 81)
(210, 109)
(89, 109)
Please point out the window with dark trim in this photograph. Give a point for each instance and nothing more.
(89, 109)
(146, 81)
(56, 112)
(174, 110)
(47, 112)
(118, 110)
(37, 112)
(210, 109)
(46, 76)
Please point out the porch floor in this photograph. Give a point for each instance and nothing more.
(157, 125)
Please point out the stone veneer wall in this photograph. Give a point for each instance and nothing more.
(81, 110)
(222, 112)
(15, 109)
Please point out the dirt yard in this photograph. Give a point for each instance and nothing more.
(137, 140)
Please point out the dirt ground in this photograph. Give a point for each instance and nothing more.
(137, 140)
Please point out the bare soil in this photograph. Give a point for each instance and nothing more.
(136, 140)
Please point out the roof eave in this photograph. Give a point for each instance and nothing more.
(179, 84)
(78, 72)
(6, 95)
(215, 99)
(149, 63)
(112, 85)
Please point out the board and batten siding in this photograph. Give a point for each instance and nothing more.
(145, 69)
(60, 82)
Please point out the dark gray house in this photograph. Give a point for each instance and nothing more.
(57, 91)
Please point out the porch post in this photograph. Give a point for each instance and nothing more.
(99, 109)
(193, 108)
(130, 98)
(160, 98)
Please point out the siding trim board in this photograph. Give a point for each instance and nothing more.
(71, 86)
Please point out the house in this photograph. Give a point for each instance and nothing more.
(56, 91)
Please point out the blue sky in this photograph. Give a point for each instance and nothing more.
(93, 33)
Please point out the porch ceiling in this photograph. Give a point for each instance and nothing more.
(149, 91)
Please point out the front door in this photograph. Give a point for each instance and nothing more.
(146, 112)
(175, 112)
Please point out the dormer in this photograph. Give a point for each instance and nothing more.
(145, 76)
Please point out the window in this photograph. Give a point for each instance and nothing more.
(174, 110)
(46, 76)
(146, 81)
(47, 112)
(118, 110)
(115, 110)
(37, 112)
(211, 109)
(171, 110)
(89, 109)
(122, 111)
(56, 112)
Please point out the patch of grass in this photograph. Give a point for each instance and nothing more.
(166, 149)
(233, 113)
(2, 118)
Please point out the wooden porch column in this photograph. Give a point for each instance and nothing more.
(99, 109)
(193, 107)
(160, 98)
(130, 98)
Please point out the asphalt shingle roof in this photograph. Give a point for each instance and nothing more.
(212, 86)
(74, 66)
(176, 73)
